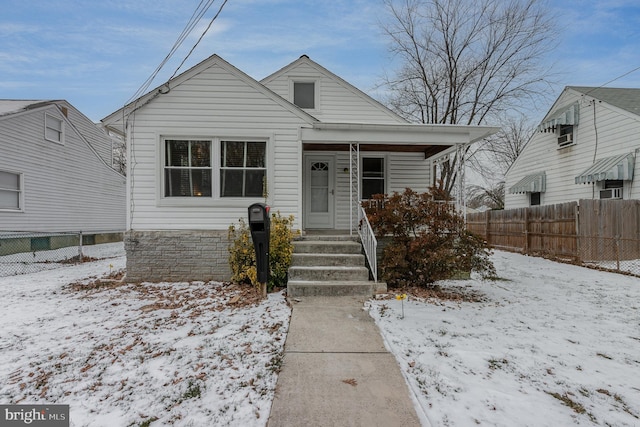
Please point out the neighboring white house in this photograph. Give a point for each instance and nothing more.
(212, 141)
(56, 171)
(584, 148)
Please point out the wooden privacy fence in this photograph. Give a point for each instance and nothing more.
(605, 232)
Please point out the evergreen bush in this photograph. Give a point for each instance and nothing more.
(242, 256)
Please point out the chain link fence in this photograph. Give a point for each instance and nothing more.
(30, 252)
(619, 254)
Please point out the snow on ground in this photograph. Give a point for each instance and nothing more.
(33, 262)
(551, 345)
(186, 354)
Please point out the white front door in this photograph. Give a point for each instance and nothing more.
(319, 191)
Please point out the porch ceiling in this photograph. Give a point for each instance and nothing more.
(428, 150)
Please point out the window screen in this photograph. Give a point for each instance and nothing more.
(304, 94)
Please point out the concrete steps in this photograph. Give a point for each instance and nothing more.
(329, 265)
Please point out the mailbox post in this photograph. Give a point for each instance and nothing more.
(260, 226)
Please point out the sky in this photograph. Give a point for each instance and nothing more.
(97, 54)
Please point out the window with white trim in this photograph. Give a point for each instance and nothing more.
(535, 198)
(372, 173)
(53, 129)
(187, 168)
(213, 168)
(242, 168)
(10, 191)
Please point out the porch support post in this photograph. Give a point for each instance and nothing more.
(461, 199)
(354, 185)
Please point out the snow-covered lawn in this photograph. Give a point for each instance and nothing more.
(550, 345)
(123, 355)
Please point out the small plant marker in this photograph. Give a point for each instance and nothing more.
(402, 297)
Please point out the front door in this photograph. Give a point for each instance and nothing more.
(319, 192)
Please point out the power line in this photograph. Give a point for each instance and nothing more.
(613, 80)
(199, 40)
(197, 15)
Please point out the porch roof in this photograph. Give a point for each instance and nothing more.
(428, 138)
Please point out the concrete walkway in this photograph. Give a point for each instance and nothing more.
(336, 370)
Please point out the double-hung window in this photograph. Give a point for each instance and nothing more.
(242, 168)
(372, 177)
(53, 129)
(187, 168)
(213, 168)
(10, 191)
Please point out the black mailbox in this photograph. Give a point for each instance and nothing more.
(260, 226)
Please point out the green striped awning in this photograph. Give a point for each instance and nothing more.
(568, 115)
(534, 183)
(615, 167)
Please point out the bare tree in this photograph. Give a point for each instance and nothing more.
(491, 196)
(466, 61)
(492, 157)
(119, 153)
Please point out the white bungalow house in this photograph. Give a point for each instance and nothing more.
(56, 171)
(212, 141)
(584, 148)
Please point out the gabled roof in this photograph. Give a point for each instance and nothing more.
(214, 59)
(625, 98)
(304, 59)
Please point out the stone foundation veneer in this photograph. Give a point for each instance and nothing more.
(177, 255)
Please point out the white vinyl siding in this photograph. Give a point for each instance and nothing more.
(66, 187)
(617, 133)
(335, 101)
(215, 103)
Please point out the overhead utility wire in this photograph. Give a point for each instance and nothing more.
(197, 15)
(613, 80)
(199, 40)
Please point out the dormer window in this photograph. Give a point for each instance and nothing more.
(304, 95)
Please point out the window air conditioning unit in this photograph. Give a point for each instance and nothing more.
(565, 139)
(611, 193)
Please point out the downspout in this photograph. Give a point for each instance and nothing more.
(595, 150)
(130, 171)
(301, 172)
